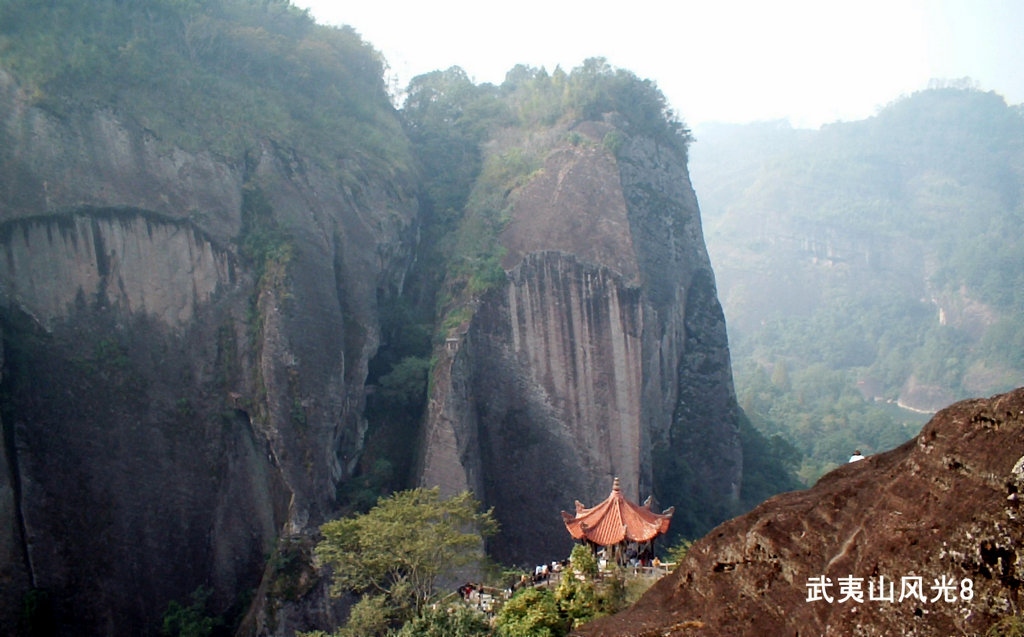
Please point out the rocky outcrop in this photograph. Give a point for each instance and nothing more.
(942, 512)
(603, 353)
(118, 258)
(185, 340)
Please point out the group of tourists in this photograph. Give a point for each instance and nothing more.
(476, 595)
(542, 572)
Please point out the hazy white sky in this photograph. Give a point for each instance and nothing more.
(811, 61)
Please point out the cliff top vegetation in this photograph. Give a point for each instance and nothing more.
(255, 71)
(480, 143)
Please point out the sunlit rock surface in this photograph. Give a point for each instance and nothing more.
(945, 507)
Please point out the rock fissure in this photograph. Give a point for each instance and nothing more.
(13, 478)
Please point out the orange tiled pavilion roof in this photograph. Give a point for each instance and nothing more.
(616, 520)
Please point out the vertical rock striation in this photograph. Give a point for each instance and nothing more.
(186, 340)
(603, 354)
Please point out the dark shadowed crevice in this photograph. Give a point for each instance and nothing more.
(12, 323)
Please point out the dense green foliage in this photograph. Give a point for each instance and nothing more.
(467, 190)
(533, 612)
(190, 621)
(770, 465)
(455, 620)
(393, 555)
(590, 92)
(255, 70)
(581, 596)
(816, 419)
(677, 552)
(835, 249)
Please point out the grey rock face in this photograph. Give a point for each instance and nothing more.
(186, 341)
(147, 266)
(604, 354)
(175, 404)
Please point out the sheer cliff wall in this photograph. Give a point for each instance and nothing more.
(186, 341)
(185, 344)
(603, 353)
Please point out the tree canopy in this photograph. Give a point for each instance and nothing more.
(393, 555)
(253, 69)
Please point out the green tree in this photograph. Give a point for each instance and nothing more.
(405, 385)
(576, 596)
(577, 599)
(596, 88)
(394, 554)
(533, 612)
(455, 620)
(371, 615)
(677, 552)
(583, 561)
(447, 118)
(191, 620)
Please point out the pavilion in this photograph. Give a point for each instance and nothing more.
(624, 528)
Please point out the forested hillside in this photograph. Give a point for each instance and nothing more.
(868, 264)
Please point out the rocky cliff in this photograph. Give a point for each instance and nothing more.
(602, 353)
(186, 337)
(214, 230)
(938, 519)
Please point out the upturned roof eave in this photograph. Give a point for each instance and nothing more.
(637, 522)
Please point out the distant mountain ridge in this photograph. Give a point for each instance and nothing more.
(874, 261)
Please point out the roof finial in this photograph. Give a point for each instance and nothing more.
(615, 484)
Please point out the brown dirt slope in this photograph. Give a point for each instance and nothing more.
(945, 507)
